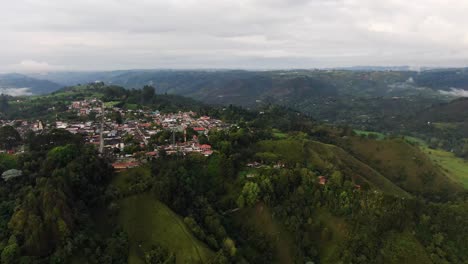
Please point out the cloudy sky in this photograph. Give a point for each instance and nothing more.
(38, 35)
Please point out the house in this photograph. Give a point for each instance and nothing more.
(322, 180)
(119, 166)
(207, 152)
(254, 164)
(205, 147)
(152, 154)
(199, 130)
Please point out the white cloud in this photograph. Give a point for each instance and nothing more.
(15, 91)
(118, 34)
(455, 92)
(34, 66)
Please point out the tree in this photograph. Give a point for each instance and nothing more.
(249, 195)
(147, 94)
(229, 247)
(4, 105)
(159, 255)
(9, 137)
(11, 252)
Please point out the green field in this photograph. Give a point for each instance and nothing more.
(126, 178)
(377, 135)
(111, 103)
(278, 134)
(446, 126)
(456, 168)
(149, 222)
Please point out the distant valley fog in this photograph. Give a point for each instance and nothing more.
(15, 91)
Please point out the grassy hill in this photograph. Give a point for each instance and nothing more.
(149, 222)
(328, 158)
(455, 168)
(402, 163)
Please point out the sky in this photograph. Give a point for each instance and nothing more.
(85, 35)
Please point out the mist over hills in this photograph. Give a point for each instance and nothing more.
(19, 84)
(248, 88)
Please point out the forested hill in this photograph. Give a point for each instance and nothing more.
(19, 84)
(56, 103)
(278, 187)
(395, 102)
(195, 82)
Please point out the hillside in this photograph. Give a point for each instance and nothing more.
(375, 100)
(18, 84)
(403, 164)
(451, 112)
(329, 158)
(56, 103)
(278, 187)
(149, 222)
(456, 168)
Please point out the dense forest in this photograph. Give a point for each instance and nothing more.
(319, 194)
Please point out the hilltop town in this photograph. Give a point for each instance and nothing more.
(130, 136)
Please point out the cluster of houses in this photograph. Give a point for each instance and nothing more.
(110, 128)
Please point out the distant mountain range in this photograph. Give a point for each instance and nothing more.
(247, 88)
(19, 84)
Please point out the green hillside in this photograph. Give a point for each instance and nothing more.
(403, 164)
(328, 158)
(149, 222)
(403, 248)
(455, 168)
(261, 220)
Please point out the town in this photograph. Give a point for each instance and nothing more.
(130, 137)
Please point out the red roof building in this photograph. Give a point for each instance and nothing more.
(205, 147)
(207, 152)
(125, 165)
(322, 180)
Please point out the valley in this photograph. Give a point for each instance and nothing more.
(176, 180)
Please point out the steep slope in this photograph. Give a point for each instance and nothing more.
(403, 164)
(456, 168)
(328, 158)
(149, 222)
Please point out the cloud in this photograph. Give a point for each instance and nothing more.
(455, 92)
(15, 91)
(119, 34)
(34, 66)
